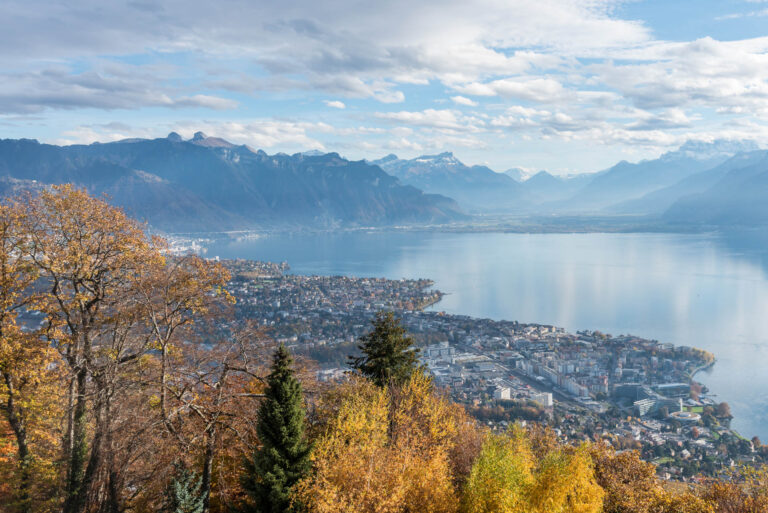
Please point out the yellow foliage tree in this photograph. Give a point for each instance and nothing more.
(384, 451)
(500, 476)
(565, 483)
(512, 476)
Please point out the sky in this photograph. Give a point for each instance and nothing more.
(563, 85)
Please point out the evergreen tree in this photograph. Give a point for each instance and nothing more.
(388, 352)
(183, 492)
(283, 458)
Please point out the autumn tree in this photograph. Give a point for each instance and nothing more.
(90, 255)
(172, 298)
(723, 410)
(213, 396)
(508, 476)
(500, 476)
(630, 483)
(384, 450)
(282, 460)
(745, 491)
(388, 352)
(565, 483)
(27, 373)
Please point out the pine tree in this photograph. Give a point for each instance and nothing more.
(388, 352)
(183, 492)
(283, 458)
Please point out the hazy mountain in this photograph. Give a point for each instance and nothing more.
(210, 184)
(738, 198)
(626, 181)
(544, 187)
(476, 188)
(660, 200)
(518, 174)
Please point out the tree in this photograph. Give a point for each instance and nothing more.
(183, 492)
(723, 411)
(383, 450)
(171, 299)
(90, 255)
(500, 476)
(388, 352)
(283, 458)
(28, 374)
(630, 483)
(211, 392)
(517, 472)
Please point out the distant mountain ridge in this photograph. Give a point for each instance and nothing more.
(476, 188)
(734, 194)
(662, 199)
(209, 184)
(519, 174)
(627, 181)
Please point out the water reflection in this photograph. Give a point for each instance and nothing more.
(703, 290)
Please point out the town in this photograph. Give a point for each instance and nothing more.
(630, 392)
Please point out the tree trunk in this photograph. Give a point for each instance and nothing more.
(75, 500)
(15, 417)
(205, 487)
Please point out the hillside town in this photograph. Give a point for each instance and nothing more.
(625, 390)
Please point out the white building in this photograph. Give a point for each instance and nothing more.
(502, 393)
(543, 398)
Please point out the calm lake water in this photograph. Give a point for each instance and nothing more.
(709, 291)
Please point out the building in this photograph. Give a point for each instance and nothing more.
(543, 398)
(502, 393)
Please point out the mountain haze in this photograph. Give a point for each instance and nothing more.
(660, 200)
(737, 198)
(627, 181)
(544, 187)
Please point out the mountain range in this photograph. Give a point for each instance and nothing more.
(209, 184)
(476, 188)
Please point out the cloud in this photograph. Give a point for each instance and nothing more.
(259, 133)
(705, 72)
(370, 45)
(336, 104)
(749, 14)
(463, 100)
(403, 144)
(204, 101)
(445, 119)
(537, 89)
(546, 70)
(108, 88)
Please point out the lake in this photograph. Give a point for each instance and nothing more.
(708, 291)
